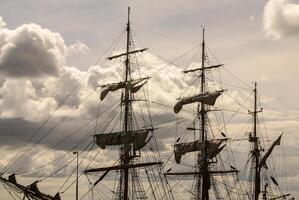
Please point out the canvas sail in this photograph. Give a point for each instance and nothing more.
(206, 98)
(213, 148)
(136, 137)
(133, 86)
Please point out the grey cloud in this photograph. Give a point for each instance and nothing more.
(15, 132)
(281, 18)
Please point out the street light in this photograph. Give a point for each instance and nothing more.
(77, 178)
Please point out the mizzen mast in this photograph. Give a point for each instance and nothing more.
(255, 151)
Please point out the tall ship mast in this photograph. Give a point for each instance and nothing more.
(263, 184)
(130, 139)
(206, 147)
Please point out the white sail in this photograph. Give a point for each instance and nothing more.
(136, 137)
(213, 148)
(130, 85)
(206, 98)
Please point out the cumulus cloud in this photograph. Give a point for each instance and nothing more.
(80, 55)
(77, 48)
(29, 101)
(31, 51)
(281, 18)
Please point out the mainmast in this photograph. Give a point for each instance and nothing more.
(202, 157)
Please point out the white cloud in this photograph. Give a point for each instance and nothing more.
(31, 51)
(77, 48)
(281, 18)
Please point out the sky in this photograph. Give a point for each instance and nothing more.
(47, 48)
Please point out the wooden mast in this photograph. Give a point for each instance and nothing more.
(126, 149)
(127, 152)
(203, 162)
(202, 171)
(255, 151)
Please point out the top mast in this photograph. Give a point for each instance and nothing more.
(127, 73)
(126, 147)
(203, 162)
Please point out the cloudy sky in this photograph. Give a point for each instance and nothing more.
(48, 48)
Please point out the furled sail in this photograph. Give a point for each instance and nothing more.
(133, 86)
(136, 137)
(30, 192)
(12, 179)
(213, 148)
(33, 187)
(206, 98)
(57, 197)
(268, 153)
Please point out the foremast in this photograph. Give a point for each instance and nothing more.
(129, 139)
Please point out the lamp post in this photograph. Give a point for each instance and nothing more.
(77, 177)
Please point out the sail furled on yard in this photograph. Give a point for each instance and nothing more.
(30, 192)
(133, 85)
(12, 179)
(136, 137)
(269, 151)
(208, 98)
(214, 148)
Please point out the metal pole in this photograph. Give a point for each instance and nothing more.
(77, 176)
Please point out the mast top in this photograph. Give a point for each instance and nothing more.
(203, 35)
(128, 16)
